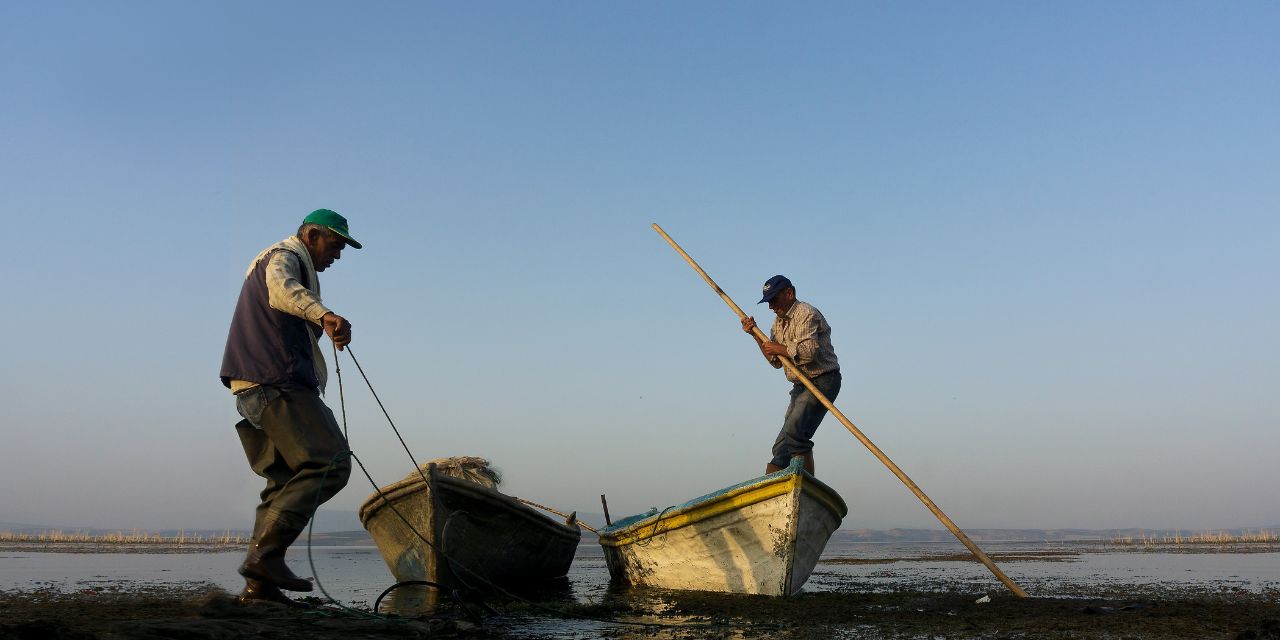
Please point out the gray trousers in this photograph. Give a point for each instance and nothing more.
(291, 439)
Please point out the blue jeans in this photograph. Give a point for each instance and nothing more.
(802, 419)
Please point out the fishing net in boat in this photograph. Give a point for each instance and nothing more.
(470, 468)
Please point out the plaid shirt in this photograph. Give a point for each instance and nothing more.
(807, 337)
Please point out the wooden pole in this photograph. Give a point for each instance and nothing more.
(857, 433)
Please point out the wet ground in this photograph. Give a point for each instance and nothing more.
(200, 611)
(1082, 591)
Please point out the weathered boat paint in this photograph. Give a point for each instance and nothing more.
(762, 536)
(459, 533)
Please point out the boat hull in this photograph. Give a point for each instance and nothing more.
(760, 537)
(474, 536)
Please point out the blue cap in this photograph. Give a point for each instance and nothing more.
(773, 286)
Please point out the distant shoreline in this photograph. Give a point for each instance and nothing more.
(1051, 551)
(24, 533)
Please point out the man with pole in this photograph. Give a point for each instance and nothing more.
(792, 370)
(274, 366)
(801, 333)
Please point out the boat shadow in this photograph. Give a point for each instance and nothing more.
(668, 607)
(412, 600)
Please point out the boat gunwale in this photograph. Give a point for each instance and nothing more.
(406, 488)
(628, 530)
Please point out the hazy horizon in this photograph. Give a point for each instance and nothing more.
(332, 521)
(1044, 236)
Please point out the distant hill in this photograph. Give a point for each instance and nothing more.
(329, 521)
(16, 527)
(339, 539)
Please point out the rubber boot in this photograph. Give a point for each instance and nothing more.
(257, 591)
(265, 560)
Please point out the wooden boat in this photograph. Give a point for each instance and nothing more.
(762, 536)
(474, 534)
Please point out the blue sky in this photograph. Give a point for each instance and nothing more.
(1044, 234)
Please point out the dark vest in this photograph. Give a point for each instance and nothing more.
(265, 345)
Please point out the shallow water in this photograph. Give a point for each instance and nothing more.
(356, 576)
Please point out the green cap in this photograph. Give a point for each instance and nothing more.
(333, 222)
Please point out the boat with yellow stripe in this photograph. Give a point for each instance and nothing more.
(762, 536)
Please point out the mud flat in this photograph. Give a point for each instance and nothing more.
(195, 611)
(133, 611)
(918, 614)
(1079, 591)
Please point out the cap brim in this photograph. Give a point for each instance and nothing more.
(351, 242)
